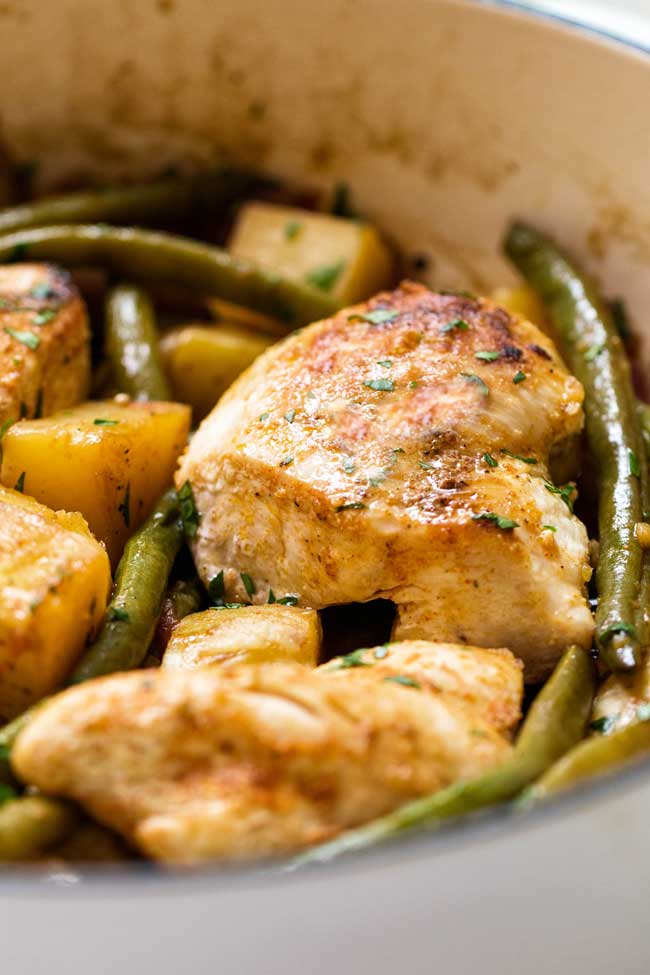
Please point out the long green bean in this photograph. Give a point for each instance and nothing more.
(149, 256)
(593, 350)
(132, 344)
(140, 586)
(555, 722)
(158, 200)
(30, 825)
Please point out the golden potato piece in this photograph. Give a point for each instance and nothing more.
(251, 634)
(346, 258)
(202, 361)
(44, 342)
(54, 581)
(108, 460)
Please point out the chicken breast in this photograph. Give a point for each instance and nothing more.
(400, 450)
(246, 761)
(44, 342)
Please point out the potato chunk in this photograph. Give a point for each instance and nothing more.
(54, 581)
(44, 342)
(203, 361)
(346, 258)
(108, 460)
(251, 634)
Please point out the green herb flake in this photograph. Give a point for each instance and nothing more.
(44, 316)
(425, 467)
(524, 460)
(230, 605)
(286, 461)
(471, 377)
(457, 323)
(287, 601)
(124, 507)
(381, 652)
(603, 725)
(262, 417)
(217, 589)
(518, 377)
(116, 615)
(248, 583)
(413, 384)
(354, 659)
(290, 416)
(403, 680)
(565, 492)
(486, 356)
(549, 528)
(27, 338)
(593, 352)
(5, 426)
(490, 460)
(325, 277)
(20, 483)
(375, 317)
(350, 506)
(386, 363)
(291, 229)
(348, 465)
(505, 524)
(635, 467)
(100, 422)
(380, 385)
(6, 793)
(189, 513)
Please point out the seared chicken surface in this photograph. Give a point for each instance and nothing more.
(44, 342)
(253, 760)
(400, 450)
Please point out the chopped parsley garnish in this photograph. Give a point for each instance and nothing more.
(518, 377)
(505, 524)
(403, 680)
(115, 614)
(456, 323)
(549, 528)
(230, 605)
(27, 338)
(486, 356)
(375, 317)
(386, 363)
(124, 507)
(283, 601)
(189, 513)
(593, 352)
(565, 492)
(425, 467)
(635, 468)
(524, 460)
(325, 277)
(615, 628)
(262, 417)
(290, 416)
(248, 583)
(471, 377)
(354, 659)
(397, 450)
(217, 588)
(413, 384)
(291, 229)
(5, 426)
(490, 460)
(380, 653)
(99, 422)
(20, 483)
(348, 465)
(603, 725)
(45, 316)
(381, 385)
(350, 506)
(286, 461)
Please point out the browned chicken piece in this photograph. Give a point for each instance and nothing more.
(44, 342)
(247, 761)
(400, 450)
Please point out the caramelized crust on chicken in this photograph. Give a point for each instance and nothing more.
(44, 342)
(400, 450)
(253, 760)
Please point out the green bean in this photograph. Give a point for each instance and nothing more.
(592, 757)
(140, 586)
(132, 344)
(149, 256)
(594, 352)
(555, 722)
(29, 826)
(185, 597)
(149, 202)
